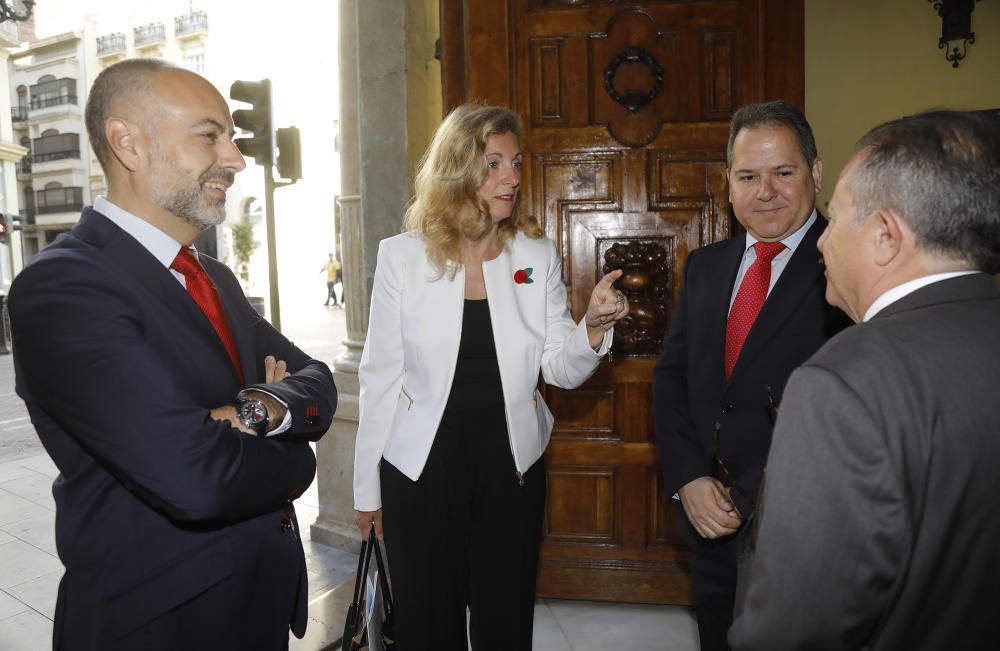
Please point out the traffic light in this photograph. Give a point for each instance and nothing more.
(289, 154)
(260, 144)
(3, 229)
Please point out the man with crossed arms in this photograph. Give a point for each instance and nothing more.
(178, 418)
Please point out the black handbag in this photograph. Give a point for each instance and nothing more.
(355, 627)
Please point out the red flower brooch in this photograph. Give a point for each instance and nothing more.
(523, 276)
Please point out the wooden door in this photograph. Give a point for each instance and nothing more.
(626, 109)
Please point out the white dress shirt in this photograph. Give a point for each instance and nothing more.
(899, 291)
(779, 262)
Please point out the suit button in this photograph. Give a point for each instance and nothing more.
(726, 408)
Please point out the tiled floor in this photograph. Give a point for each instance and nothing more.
(29, 568)
(30, 573)
(597, 626)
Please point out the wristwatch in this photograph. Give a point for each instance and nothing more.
(253, 414)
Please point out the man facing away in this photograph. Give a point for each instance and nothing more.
(179, 420)
(878, 525)
(751, 309)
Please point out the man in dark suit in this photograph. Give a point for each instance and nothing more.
(878, 527)
(179, 420)
(751, 309)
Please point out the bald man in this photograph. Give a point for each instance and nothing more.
(179, 419)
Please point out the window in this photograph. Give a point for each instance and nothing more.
(22, 97)
(50, 91)
(194, 59)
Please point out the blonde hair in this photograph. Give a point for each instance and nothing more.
(448, 179)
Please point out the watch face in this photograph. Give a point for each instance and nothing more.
(253, 412)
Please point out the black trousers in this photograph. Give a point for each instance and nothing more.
(713, 581)
(465, 535)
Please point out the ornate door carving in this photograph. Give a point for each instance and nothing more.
(626, 109)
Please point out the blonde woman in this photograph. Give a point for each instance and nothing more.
(467, 307)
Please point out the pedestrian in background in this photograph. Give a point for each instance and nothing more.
(332, 269)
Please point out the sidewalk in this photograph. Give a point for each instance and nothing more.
(30, 569)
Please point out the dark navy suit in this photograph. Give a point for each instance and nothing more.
(173, 527)
(691, 393)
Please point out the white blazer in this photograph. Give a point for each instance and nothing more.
(411, 351)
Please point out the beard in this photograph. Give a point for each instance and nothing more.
(186, 199)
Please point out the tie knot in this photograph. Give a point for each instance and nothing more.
(767, 250)
(186, 263)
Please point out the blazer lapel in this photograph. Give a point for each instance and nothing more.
(721, 291)
(137, 264)
(798, 278)
(233, 305)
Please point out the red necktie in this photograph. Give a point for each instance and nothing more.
(201, 289)
(749, 300)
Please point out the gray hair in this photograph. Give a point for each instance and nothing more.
(117, 85)
(940, 171)
(778, 113)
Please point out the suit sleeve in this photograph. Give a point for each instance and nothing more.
(832, 534)
(681, 452)
(84, 359)
(309, 392)
(381, 378)
(567, 358)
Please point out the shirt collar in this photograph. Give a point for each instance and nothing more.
(792, 241)
(907, 288)
(162, 247)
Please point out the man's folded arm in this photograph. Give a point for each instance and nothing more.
(85, 362)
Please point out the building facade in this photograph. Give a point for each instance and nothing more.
(46, 80)
(11, 153)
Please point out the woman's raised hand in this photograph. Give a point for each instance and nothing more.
(607, 307)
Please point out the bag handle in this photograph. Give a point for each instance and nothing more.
(363, 562)
(383, 578)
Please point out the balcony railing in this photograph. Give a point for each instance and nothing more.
(56, 200)
(27, 214)
(56, 155)
(52, 209)
(23, 166)
(18, 113)
(55, 100)
(196, 21)
(110, 43)
(55, 147)
(150, 34)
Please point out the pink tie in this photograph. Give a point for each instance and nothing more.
(749, 300)
(201, 289)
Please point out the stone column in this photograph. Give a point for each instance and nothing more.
(375, 190)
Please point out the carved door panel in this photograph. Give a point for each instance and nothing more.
(626, 109)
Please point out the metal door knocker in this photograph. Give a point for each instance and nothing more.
(633, 100)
